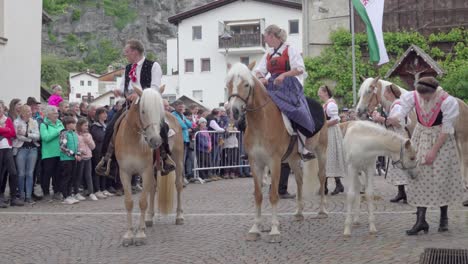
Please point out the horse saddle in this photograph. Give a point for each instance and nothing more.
(318, 115)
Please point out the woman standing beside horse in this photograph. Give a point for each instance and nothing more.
(335, 155)
(439, 182)
(396, 176)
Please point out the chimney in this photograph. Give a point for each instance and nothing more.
(110, 68)
(87, 71)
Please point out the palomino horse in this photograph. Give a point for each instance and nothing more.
(266, 141)
(135, 139)
(371, 94)
(363, 142)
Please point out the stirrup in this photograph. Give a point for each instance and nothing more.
(103, 167)
(308, 156)
(167, 166)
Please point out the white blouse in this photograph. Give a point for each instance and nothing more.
(395, 111)
(332, 111)
(295, 61)
(450, 110)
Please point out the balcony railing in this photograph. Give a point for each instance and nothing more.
(242, 40)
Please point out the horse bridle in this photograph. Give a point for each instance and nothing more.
(400, 164)
(246, 100)
(375, 96)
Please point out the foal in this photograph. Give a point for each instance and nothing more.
(363, 142)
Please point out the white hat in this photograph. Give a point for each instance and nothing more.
(202, 120)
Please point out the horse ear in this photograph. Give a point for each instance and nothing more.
(252, 65)
(162, 88)
(376, 80)
(137, 90)
(362, 78)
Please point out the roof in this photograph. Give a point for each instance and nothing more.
(113, 73)
(101, 96)
(176, 19)
(420, 53)
(193, 100)
(75, 74)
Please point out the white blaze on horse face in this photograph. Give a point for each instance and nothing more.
(365, 94)
(239, 81)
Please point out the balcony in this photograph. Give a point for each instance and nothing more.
(242, 43)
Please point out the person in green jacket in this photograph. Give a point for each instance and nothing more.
(50, 150)
(69, 155)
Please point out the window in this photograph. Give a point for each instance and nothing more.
(245, 60)
(205, 65)
(90, 83)
(293, 26)
(81, 83)
(78, 96)
(196, 33)
(189, 65)
(198, 94)
(112, 101)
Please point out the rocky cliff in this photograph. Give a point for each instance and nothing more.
(88, 28)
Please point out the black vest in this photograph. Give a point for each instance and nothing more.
(438, 120)
(145, 75)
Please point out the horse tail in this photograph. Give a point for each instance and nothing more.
(166, 190)
(311, 178)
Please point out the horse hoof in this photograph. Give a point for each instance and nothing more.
(179, 221)
(140, 241)
(321, 215)
(274, 238)
(253, 236)
(356, 223)
(347, 235)
(265, 228)
(299, 218)
(127, 242)
(149, 223)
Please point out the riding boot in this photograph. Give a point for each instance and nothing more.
(168, 165)
(420, 224)
(400, 196)
(104, 165)
(339, 186)
(443, 225)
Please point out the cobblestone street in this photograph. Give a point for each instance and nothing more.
(218, 215)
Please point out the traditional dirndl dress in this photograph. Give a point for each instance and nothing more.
(289, 95)
(335, 166)
(441, 183)
(395, 175)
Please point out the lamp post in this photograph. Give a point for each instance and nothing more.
(225, 37)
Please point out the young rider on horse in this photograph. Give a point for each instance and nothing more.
(143, 73)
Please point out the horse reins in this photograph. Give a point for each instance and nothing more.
(246, 100)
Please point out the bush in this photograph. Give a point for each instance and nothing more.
(76, 14)
(335, 62)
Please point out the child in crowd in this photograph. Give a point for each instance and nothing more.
(84, 167)
(98, 131)
(56, 98)
(69, 155)
(203, 141)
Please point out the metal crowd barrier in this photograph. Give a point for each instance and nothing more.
(222, 157)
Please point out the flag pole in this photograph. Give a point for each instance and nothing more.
(353, 53)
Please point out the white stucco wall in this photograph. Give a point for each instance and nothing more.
(20, 57)
(75, 87)
(212, 83)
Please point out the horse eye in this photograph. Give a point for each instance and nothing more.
(143, 112)
(246, 85)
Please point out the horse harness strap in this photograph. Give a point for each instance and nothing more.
(292, 143)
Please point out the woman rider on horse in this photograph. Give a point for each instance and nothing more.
(281, 71)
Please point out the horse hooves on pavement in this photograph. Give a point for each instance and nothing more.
(179, 221)
(140, 241)
(149, 223)
(299, 218)
(127, 242)
(252, 236)
(274, 238)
